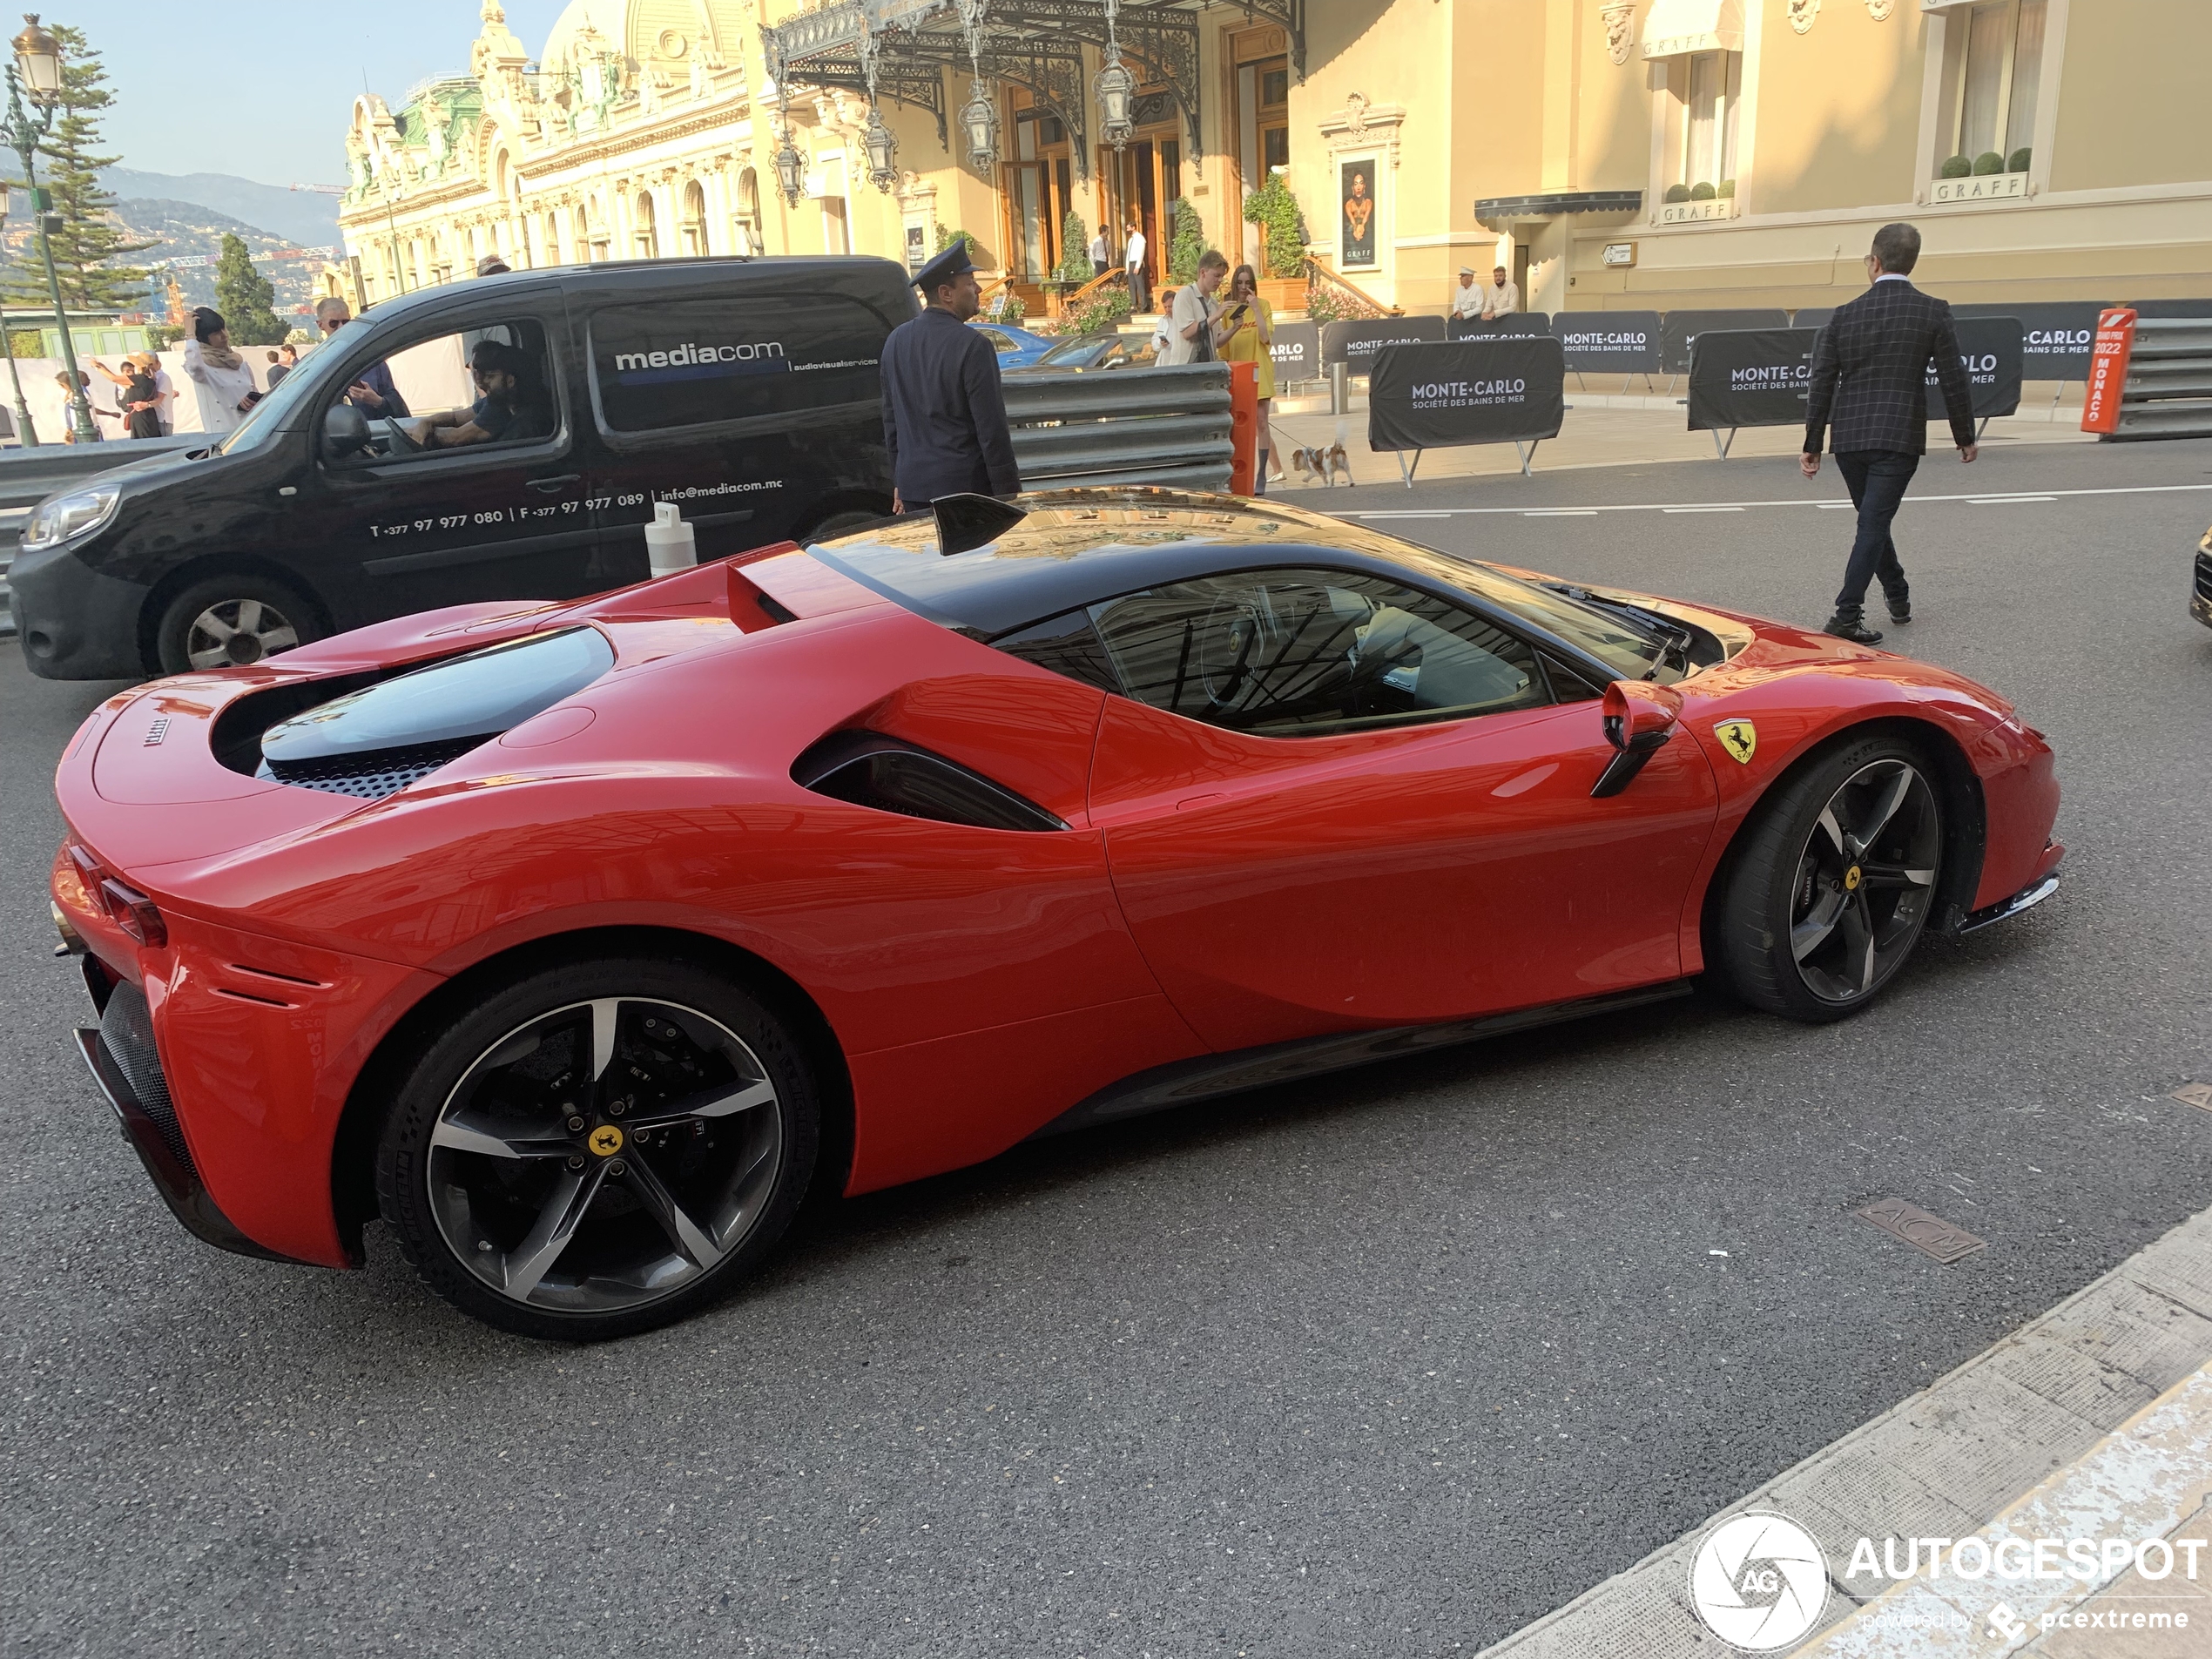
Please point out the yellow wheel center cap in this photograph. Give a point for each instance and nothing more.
(606, 1140)
(1852, 879)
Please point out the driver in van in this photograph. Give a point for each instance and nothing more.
(509, 405)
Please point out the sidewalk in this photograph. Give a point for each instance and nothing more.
(1595, 435)
(2094, 1423)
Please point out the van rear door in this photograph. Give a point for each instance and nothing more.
(494, 504)
(754, 404)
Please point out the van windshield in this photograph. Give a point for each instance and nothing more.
(272, 414)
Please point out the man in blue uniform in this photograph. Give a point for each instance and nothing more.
(944, 414)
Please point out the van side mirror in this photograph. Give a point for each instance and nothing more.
(345, 431)
(1639, 718)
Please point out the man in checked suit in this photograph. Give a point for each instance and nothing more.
(1869, 380)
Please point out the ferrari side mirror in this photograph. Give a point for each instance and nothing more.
(1639, 718)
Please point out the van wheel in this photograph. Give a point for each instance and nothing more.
(228, 620)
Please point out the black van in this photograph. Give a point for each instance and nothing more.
(745, 391)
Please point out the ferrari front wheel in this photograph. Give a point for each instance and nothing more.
(1834, 882)
(598, 1148)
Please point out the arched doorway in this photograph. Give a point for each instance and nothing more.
(646, 237)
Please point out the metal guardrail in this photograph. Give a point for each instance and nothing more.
(2169, 393)
(27, 476)
(1168, 426)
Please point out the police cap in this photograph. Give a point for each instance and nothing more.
(952, 262)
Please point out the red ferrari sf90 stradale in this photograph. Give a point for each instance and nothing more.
(578, 943)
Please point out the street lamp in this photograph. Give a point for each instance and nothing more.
(26, 433)
(38, 67)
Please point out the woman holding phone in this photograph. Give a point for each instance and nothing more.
(1251, 345)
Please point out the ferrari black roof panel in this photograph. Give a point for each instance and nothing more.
(1078, 546)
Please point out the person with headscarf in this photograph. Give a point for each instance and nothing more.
(222, 381)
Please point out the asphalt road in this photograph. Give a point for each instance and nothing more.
(1390, 1362)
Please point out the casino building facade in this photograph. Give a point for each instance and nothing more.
(1628, 154)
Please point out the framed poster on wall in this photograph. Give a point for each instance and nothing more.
(1358, 214)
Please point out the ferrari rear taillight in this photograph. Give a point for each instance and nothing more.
(129, 908)
(134, 912)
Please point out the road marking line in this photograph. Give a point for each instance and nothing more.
(2004, 500)
(1701, 509)
(1561, 512)
(1664, 507)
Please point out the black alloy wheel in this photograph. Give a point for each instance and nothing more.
(599, 1149)
(1835, 883)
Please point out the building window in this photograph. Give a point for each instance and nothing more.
(1712, 87)
(750, 240)
(1997, 63)
(648, 241)
(694, 218)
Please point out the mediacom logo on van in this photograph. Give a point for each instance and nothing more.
(700, 360)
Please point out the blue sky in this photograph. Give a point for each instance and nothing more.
(282, 73)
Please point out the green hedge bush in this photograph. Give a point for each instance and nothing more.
(1677, 192)
(1701, 192)
(1988, 162)
(1956, 167)
(2017, 162)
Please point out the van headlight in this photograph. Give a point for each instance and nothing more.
(64, 519)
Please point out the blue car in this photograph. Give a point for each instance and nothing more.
(1017, 347)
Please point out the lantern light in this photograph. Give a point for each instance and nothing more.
(38, 59)
(791, 170)
(1117, 90)
(882, 147)
(979, 120)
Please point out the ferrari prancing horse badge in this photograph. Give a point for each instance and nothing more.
(1739, 738)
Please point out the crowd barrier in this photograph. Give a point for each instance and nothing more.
(1760, 377)
(1505, 389)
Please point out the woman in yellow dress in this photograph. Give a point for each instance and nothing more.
(1252, 346)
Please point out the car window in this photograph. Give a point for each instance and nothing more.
(692, 362)
(1127, 355)
(489, 386)
(1073, 354)
(1307, 653)
(1000, 341)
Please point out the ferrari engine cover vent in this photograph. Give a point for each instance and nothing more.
(372, 742)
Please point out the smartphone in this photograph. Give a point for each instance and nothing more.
(1243, 306)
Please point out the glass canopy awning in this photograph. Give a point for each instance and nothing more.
(899, 48)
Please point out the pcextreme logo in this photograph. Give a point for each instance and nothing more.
(1759, 1582)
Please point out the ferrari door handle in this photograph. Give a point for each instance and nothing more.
(561, 482)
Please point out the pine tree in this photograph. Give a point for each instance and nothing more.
(245, 297)
(90, 240)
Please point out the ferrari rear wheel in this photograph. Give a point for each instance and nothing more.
(600, 1149)
(1835, 883)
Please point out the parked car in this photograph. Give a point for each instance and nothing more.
(746, 392)
(580, 942)
(1017, 347)
(1096, 352)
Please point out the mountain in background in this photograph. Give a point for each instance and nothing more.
(308, 219)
